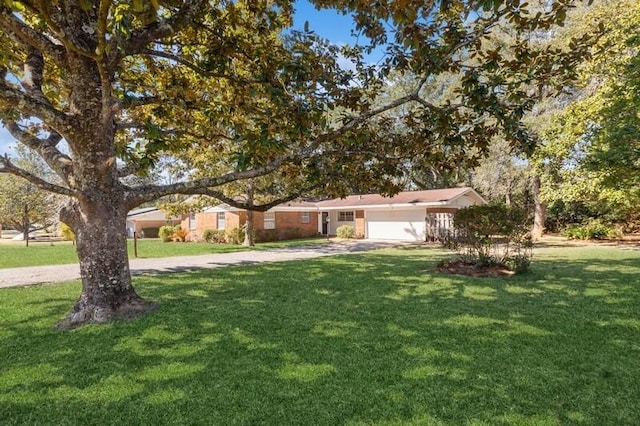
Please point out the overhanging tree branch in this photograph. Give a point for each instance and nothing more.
(199, 70)
(250, 206)
(129, 170)
(136, 196)
(28, 105)
(28, 37)
(135, 101)
(6, 166)
(157, 30)
(59, 162)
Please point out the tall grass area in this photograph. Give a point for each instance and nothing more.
(376, 338)
(16, 254)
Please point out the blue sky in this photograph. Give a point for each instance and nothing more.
(326, 23)
(5, 141)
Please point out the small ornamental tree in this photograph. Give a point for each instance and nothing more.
(493, 235)
(25, 206)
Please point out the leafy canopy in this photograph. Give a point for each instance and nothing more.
(592, 152)
(231, 91)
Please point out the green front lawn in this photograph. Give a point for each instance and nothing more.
(374, 338)
(16, 254)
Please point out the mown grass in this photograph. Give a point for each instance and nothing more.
(375, 338)
(16, 254)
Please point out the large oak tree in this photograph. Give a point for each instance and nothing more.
(122, 83)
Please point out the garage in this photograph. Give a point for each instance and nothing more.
(408, 225)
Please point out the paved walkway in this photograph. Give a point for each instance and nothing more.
(14, 277)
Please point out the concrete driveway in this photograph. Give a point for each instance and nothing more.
(15, 277)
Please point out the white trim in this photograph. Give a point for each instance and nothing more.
(227, 208)
(221, 208)
(403, 206)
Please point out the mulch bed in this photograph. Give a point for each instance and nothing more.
(459, 267)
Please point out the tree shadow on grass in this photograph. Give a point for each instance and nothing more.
(364, 338)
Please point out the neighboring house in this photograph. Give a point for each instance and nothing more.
(149, 218)
(409, 216)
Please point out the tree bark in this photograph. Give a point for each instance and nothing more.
(539, 210)
(97, 215)
(101, 244)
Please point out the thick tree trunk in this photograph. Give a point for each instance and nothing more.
(101, 245)
(98, 214)
(539, 210)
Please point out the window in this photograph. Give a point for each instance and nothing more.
(220, 221)
(192, 221)
(269, 220)
(305, 217)
(345, 216)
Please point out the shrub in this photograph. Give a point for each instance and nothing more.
(593, 229)
(235, 236)
(345, 231)
(166, 233)
(487, 235)
(217, 236)
(149, 232)
(267, 235)
(66, 232)
(518, 263)
(180, 234)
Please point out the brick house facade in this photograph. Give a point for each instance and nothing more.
(410, 216)
(268, 226)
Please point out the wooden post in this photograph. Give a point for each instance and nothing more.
(135, 244)
(28, 223)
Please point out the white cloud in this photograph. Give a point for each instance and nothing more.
(345, 63)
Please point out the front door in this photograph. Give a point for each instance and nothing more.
(325, 223)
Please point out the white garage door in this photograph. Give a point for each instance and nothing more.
(396, 224)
